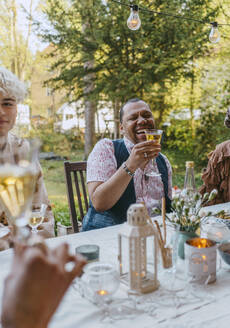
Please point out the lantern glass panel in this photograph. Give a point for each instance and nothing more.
(137, 262)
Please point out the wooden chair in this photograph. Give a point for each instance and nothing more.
(75, 173)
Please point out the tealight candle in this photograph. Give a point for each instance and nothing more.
(102, 292)
(90, 252)
(200, 259)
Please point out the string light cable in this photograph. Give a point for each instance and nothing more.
(134, 22)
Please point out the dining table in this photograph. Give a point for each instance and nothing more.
(162, 308)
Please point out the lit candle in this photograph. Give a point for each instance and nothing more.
(200, 259)
(102, 292)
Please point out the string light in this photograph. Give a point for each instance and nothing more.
(214, 35)
(134, 21)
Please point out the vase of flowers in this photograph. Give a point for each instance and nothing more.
(187, 214)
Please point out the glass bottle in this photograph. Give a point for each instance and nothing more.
(189, 181)
(189, 190)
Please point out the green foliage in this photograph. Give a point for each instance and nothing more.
(62, 144)
(61, 213)
(179, 136)
(151, 60)
(210, 133)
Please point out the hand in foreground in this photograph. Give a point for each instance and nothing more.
(36, 285)
(142, 153)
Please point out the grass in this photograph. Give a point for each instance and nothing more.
(54, 177)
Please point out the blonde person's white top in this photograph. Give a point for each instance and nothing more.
(8, 145)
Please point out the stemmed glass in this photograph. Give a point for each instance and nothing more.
(171, 247)
(18, 173)
(102, 279)
(155, 135)
(36, 218)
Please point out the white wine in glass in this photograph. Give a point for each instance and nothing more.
(153, 134)
(18, 174)
(37, 218)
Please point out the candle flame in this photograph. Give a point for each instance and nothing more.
(201, 242)
(102, 292)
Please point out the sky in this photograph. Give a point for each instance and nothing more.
(35, 43)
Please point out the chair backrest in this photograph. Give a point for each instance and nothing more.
(75, 173)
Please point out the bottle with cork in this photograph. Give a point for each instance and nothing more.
(189, 190)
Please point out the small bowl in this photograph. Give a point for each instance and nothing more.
(224, 250)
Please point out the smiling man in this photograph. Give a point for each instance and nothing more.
(12, 92)
(116, 170)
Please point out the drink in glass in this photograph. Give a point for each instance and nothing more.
(18, 174)
(37, 217)
(155, 135)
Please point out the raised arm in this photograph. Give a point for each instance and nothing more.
(104, 194)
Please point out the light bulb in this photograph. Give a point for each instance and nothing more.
(134, 21)
(214, 35)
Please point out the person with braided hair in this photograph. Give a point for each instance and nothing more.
(217, 174)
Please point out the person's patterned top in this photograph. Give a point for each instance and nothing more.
(101, 165)
(46, 229)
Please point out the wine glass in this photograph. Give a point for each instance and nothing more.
(37, 217)
(169, 274)
(18, 173)
(102, 279)
(155, 135)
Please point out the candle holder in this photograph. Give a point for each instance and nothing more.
(102, 280)
(214, 229)
(200, 260)
(138, 251)
(224, 250)
(89, 251)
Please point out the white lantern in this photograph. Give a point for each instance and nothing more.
(138, 251)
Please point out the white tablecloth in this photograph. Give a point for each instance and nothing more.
(77, 312)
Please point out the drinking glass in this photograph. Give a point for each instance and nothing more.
(18, 173)
(155, 135)
(37, 217)
(102, 279)
(169, 266)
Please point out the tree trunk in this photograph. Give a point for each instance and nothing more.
(90, 108)
(89, 126)
(90, 103)
(116, 111)
(191, 100)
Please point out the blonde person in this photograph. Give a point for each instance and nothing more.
(12, 91)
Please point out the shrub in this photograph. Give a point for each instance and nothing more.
(56, 142)
(210, 133)
(61, 214)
